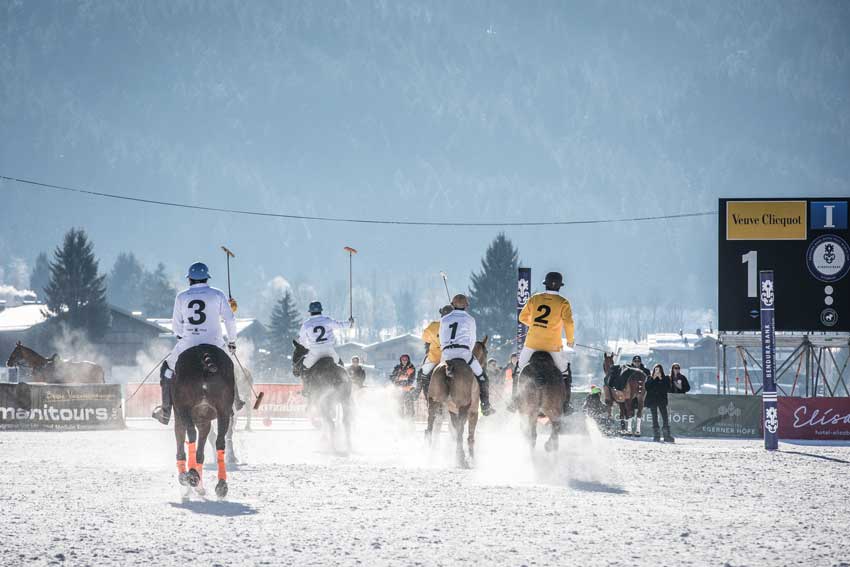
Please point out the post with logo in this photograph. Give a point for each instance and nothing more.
(768, 356)
(523, 292)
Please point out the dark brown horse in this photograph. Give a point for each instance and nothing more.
(455, 386)
(541, 390)
(330, 393)
(204, 389)
(54, 370)
(627, 387)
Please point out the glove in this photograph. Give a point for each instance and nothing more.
(233, 305)
(231, 346)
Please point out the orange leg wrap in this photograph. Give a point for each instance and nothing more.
(222, 469)
(193, 455)
(181, 467)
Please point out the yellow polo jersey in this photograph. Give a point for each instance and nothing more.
(431, 335)
(547, 315)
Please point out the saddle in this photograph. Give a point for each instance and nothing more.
(617, 379)
(544, 369)
(452, 366)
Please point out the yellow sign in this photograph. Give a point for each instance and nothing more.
(766, 220)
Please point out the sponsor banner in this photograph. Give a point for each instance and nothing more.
(766, 220)
(824, 419)
(709, 416)
(523, 293)
(144, 401)
(48, 406)
(281, 400)
(767, 302)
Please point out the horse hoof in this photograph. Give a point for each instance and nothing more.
(193, 477)
(550, 446)
(221, 489)
(183, 479)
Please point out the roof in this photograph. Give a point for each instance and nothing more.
(393, 340)
(22, 317)
(241, 324)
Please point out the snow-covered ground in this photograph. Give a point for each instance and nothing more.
(111, 498)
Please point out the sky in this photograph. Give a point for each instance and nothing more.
(446, 111)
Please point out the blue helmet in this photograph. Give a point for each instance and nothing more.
(315, 307)
(198, 271)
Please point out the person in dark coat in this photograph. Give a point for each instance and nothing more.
(678, 382)
(637, 362)
(403, 377)
(356, 372)
(657, 388)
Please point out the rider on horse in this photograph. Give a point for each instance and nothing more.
(457, 340)
(317, 334)
(547, 315)
(433, 353)
(196, 321)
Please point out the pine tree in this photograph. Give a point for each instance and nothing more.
(125, 282)
(284, 327)
(157, 293)
(40, 276)
(492, 295)
(76, 293)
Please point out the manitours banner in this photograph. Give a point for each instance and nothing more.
(43, 406)
(711, 416)
(825, 419)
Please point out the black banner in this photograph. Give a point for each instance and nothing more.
(48, 406)
(710, 416)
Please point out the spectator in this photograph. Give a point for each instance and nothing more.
(510, 368)
(593, 404)
(656, 400)
(493, 370)
(637, 362)
(678, 382)
(357, 372)
(403, 376)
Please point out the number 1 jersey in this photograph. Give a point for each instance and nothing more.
(547, 315)
(198, 312)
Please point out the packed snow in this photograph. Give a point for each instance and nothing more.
(111, 498)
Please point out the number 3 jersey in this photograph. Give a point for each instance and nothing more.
(198, 312)
(547, 315)
(318, 331)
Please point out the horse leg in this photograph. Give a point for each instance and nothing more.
(432, 414)
(203, 434)
(230, 450)
(346, 423)
(224, 424)
(637, 414)
(458, 420)
(552, 442)
(470, 439)
(180, 437)
(192, 474)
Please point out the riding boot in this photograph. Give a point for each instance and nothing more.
(238, 403)
(163, 413)
(484, 393)
(668, 438)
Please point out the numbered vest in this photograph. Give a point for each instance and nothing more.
(457, 330)
(198, 312)
(547, 316)
(319, 331)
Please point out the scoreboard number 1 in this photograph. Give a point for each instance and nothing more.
(751, 259)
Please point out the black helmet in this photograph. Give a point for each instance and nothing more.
(315, 307)
(554, 280)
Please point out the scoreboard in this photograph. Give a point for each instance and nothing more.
(805, 242)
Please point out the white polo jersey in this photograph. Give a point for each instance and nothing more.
(457, 330)
(197, 315)
(318, 332)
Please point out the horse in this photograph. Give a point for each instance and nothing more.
(626, 386)
(541, 390)
(204, 389)
(330, 388)
(455, 386)
(54, 370)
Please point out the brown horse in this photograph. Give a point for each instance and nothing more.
(54, 370)
(627, 387)
(541, 390)
(204, 389)
(454, 385)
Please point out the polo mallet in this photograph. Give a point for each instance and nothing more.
(229, 255)
(351, 252)
(446, 283)
(259, 398)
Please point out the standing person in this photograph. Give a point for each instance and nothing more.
(356, 372)
(317, 334)
(637, 362)
(457, 339)
(196, 320)
(403, 377)
(656, 400)
(548, 316)
(678, 382)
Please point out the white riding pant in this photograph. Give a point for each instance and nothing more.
(558, 357)
(185, 343)
(317, 352)
(428, 367)
(463, 354)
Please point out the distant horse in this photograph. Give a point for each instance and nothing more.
(454, 385)
(541, 390)
(330, 389)
(204, 389)
(54, 370)
(627, 387)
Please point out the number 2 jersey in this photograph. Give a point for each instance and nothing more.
(318, 331)
(198, 312)
(547, 315)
